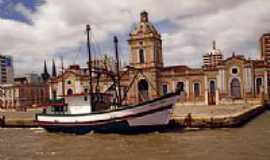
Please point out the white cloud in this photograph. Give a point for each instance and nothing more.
(22, 9)
(58, 26)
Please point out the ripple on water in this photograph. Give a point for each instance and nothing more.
(249, 142)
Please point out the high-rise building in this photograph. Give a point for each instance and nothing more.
(6, 69)
(212, 58)
(265, 47)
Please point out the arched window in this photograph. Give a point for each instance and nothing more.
(69, 92)
(212, 87)
(258, 85)
(197, 89)
(164, 89)
(141, 55)
(143, 90)
(235, 88)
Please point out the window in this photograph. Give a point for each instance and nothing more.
(54, 94)
(180, 86)
(69, 82)
(141, 55)
(258, 85)
(196, 89)
(165, 89)
(234, 71)
(85, 98)
(69, 92)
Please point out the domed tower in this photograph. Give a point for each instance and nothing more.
(145, 54)
(145, 45)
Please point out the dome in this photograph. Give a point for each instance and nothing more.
(215, 52)
(144, 26)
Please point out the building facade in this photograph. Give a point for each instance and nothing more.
(265, 47)
(26, 92)
(6, 69)
(220, 81)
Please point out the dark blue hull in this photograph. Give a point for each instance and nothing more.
(116, 127)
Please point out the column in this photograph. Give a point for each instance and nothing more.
(217, 96)
(187, 88)
(265, 83)
(206, 90)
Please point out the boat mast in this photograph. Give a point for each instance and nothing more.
(119, 98)
(88, 28)
(63, 81)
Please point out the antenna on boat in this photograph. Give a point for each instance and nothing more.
(115, 40)
(88, 28)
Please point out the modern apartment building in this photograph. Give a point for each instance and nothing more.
(265, 47)
(212, 58)
(6, 70)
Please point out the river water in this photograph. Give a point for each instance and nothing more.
(250, 142)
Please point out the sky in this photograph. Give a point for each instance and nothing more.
(36, 30)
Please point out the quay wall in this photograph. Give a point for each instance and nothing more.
(221, 121)
(235, 119)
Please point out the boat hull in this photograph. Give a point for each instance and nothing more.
(144, 117)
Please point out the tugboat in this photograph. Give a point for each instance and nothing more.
(78, 113)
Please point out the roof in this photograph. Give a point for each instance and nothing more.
(176, 68)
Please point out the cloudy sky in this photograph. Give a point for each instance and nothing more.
(34, 30)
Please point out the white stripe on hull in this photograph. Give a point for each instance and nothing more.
(158, 118)
(161, 117)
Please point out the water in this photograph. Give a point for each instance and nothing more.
(247, 143)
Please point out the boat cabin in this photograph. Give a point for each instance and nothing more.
(79, 104)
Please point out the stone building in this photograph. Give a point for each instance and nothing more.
(231, 80)
(25, 92)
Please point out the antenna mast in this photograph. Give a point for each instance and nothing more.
(88, 28)
(63, 81)
(119, 98)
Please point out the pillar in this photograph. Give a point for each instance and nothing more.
(206, 90)
(265, 84)
(217, 96)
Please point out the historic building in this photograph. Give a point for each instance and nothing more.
(219, 81)
(29, 91)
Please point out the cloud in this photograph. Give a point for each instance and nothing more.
(57, 27)
(23, 10)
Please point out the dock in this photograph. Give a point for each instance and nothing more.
(18, 119)
(218, 116)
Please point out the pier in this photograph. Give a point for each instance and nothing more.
(219, 116)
